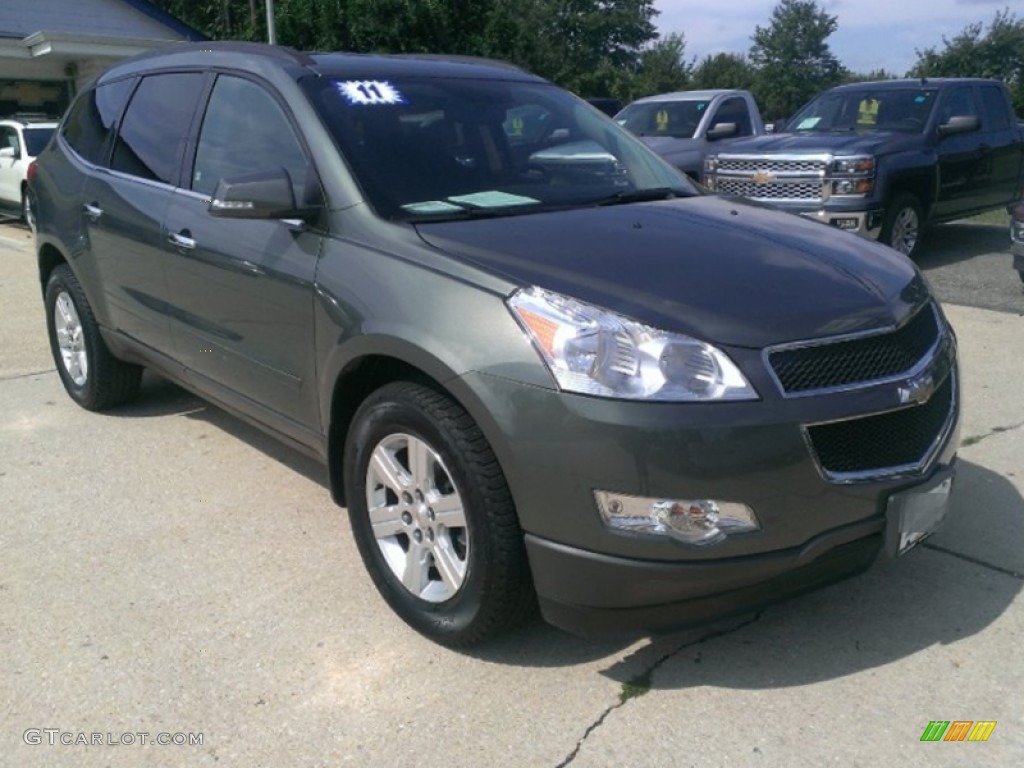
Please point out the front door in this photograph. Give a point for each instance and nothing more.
(242, 315)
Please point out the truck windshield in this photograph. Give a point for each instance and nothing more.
(675, 119)
(905, 110)
(427, 148)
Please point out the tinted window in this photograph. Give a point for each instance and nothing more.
(678, 119)
(35, 139)
(997, 116)
(458, 148)
(91, 120)
(876, 109)
(735, 111)
(245, 130)
(154, 129)
(959, 102)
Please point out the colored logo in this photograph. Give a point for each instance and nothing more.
(958, 730)
(763, 177)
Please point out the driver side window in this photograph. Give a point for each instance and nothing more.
(245, 130)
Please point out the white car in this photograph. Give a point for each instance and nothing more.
(20, 141)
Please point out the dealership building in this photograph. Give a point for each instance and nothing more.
(49, 49)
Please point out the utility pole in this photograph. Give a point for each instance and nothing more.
(271, 29)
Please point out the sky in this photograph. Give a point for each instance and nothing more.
(871, 34)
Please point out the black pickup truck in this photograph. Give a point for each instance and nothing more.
(885, 159)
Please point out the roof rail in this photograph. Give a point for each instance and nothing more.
(280, 52)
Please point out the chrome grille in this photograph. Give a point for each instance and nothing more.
(753, 165)
(775, 190)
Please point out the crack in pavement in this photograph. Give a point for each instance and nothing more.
(641, 683)
(17, 376)
(976, 561)
(975, 439)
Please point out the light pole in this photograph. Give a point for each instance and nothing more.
(271, 29)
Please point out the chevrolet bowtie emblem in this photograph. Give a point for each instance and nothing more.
(917, 391)
(763, 177)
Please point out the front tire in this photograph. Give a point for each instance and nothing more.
(433, 517)
(92, 376)
(903, 225)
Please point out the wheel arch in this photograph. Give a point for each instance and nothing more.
(364, 373)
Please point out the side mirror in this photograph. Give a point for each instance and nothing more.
(260, 195)
(10, 152)
(959, 124)
(722, 131)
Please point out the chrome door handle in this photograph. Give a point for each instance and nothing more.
(92, 211)
(181, 241)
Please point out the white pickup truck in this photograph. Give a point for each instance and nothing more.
(683, 126)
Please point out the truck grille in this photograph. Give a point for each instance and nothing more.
(774, 190)
(771, 179)
(887, 442)
(753, 165)
(856, 361)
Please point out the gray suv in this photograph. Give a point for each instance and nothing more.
(539, 365)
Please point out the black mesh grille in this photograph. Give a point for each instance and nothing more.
(894, 439)
(859, 360)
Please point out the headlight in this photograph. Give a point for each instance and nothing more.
(710, 164)
(854, 166)
(596, 352)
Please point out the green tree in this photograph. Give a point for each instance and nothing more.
(792, 57)
(976, 52)
(724, 70)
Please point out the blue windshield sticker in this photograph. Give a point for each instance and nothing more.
(807, 123)
(921, 99)
(701, 106)
(363, 92)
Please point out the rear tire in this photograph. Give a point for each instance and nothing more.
(433, 517)
(27, 214)
(92, 376)
(903, 225)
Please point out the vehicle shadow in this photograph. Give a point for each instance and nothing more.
(961, 241)
(161, 397)
(939, 594)
(894, 610)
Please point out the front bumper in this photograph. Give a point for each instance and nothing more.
(556, 449)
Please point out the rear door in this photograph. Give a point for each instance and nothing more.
(243, 288)
(126, 203)
(1002, 143)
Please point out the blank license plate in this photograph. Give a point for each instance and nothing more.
(913, 515)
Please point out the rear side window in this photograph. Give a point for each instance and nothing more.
(153, 132)
(90, 123)
(997, 116)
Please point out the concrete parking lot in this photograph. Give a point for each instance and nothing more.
(165, 569)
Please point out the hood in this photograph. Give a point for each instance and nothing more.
(667, 145)
(846, 143)
(723, 271)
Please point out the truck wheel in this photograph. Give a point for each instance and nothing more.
(902, 226)
(433, 517)
(93, 377)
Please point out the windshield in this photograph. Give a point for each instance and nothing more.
(430, 148)
(35, 139)
(904, 110)
(676, 119)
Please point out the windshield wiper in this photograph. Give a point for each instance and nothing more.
(640, 196)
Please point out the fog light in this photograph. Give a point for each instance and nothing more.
(692, 521)
(844, 223)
